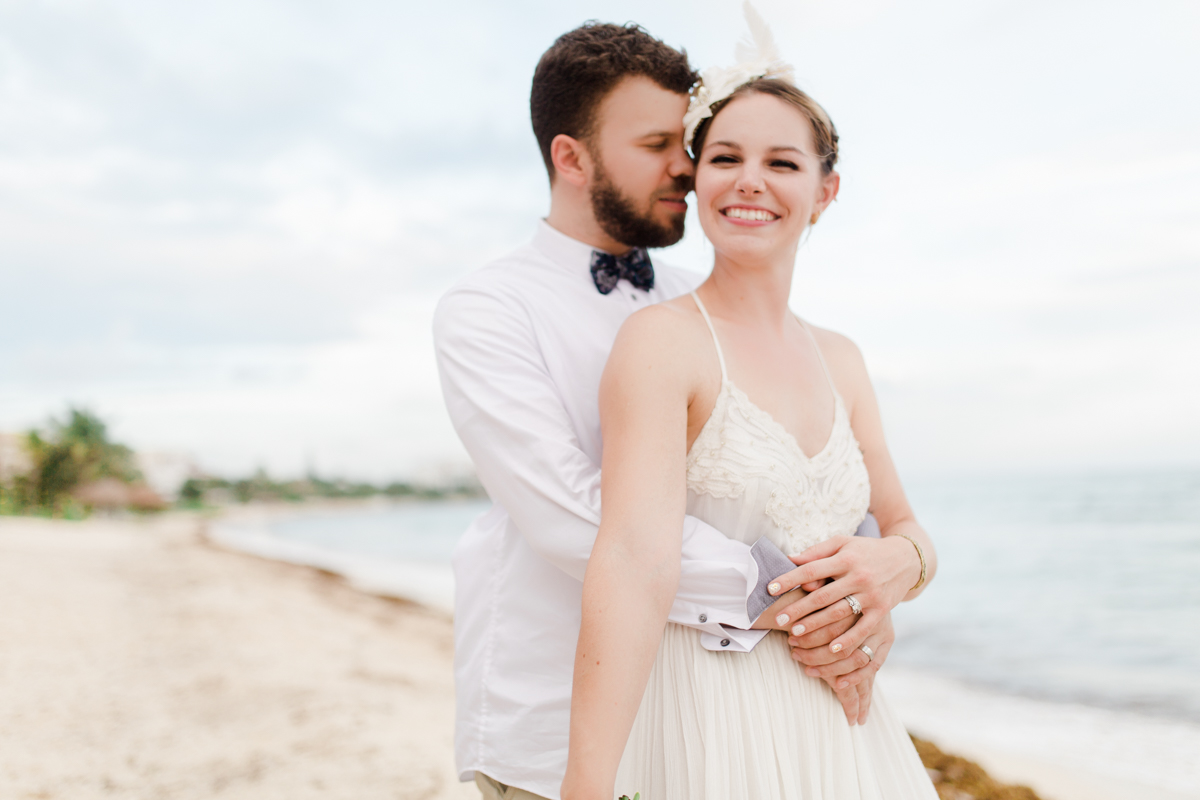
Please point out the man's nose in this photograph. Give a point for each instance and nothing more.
(681, 163)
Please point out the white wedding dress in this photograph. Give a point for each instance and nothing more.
(753, 726)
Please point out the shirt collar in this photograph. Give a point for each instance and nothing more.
(562, 249)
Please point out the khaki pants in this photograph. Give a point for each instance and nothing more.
(494, 790)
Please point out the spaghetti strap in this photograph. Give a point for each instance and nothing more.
(820, 355)
(713, 331)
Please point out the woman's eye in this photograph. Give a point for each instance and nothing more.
(723, 160)
(780, 163)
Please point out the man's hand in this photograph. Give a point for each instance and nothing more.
(855, 694)
(851, 674)
(847, 670)
(856, 700)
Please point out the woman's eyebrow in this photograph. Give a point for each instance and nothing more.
(774, 149)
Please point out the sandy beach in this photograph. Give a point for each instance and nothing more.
(138, 659)
(139, 662)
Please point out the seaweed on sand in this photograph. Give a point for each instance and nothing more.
(956, 778)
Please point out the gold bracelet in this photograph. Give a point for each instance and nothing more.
(921, 556)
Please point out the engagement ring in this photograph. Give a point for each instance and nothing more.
(854, 604)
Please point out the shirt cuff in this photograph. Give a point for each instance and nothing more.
(771, 564)
(869, 527)
(732, 640)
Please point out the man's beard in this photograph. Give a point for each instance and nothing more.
(620, 219)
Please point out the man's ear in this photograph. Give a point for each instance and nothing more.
(572, 162)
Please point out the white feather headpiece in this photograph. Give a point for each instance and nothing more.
(757, 57)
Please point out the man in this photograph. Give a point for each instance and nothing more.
(521, 345)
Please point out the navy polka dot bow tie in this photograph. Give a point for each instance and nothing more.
(634, 267)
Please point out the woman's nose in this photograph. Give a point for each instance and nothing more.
(750, 181)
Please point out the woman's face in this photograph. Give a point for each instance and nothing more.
(758, 180)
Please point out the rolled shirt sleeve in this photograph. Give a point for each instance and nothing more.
(509, 415)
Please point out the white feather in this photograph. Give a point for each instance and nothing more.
(757, 57)
(760, 48)
(761, 44)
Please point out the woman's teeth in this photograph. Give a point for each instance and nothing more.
(758, 215)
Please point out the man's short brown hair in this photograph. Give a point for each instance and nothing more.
(579, 70)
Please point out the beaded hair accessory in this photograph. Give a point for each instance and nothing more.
(757, 57)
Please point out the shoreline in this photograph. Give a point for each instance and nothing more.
(1063, 751)
(188, 666)
(246, 529)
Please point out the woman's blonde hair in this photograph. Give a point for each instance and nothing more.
(825, 138)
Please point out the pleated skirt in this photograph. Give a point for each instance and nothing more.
(753, 726)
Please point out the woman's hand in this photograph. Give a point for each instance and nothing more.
(574, 787)
(879, 573)
(773, 618)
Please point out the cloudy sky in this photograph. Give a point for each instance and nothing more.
(224, 226)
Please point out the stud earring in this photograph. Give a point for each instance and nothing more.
(816, 216)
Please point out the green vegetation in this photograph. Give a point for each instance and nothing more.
(200, 492)
(65, 456)
(71, 467)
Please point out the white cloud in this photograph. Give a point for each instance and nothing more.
(225, 226)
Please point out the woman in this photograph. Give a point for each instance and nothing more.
(726, 406)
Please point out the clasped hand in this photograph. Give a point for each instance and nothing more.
(826, 633)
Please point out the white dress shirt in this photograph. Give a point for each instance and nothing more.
(521, 345)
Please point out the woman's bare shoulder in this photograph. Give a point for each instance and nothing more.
(836, 346)
(670, 322)
(845, 361)
(663, 334)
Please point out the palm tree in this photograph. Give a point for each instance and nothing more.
(74, 452)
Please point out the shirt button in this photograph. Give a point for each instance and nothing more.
(724, 643)
(704, 617)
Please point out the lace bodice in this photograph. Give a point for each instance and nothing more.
(748, 477)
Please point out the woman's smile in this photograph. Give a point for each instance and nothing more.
(748, 215)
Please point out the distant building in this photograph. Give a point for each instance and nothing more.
(14, 460)
(166, 473)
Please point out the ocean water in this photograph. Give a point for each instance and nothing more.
(1083, 589)
(402, 531)
(396, 549)
(1076, 597)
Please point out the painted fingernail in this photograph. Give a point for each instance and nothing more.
(797, 630)
(781, 620)
(835, 648)
(773, 588)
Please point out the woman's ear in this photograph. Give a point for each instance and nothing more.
(571, 159)
(829, 190)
